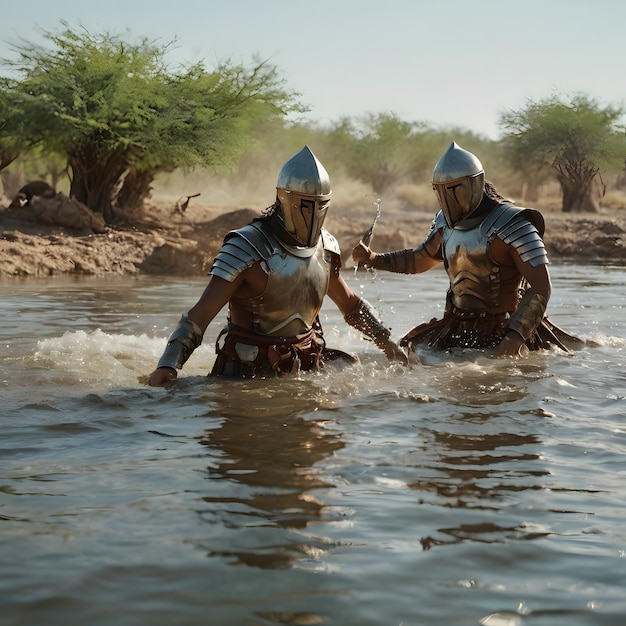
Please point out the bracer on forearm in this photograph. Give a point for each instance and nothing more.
(399, 261)
(186, 337)
(363, 319)
(528, 315)
(404, 261)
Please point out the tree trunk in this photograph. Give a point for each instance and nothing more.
(134, 191)
(94, 179)
(581, 196)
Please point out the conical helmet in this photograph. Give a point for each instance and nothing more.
(303, 191)
(458, 182)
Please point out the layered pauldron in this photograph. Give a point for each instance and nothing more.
(521, 228)
(240, 250)
(186, 337)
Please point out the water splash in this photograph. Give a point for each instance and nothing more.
(114, 358)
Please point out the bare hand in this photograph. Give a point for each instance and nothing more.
(395, 353)
(511, 345)
(362, 255)
(162, 376)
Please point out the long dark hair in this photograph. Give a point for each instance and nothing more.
(494, 195)
(269, 212)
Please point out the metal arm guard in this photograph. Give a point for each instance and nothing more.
(400, 261)
(186, 337)
(362, 318)
(528, 315)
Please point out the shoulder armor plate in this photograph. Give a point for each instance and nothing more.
(241, 249)
(329, 242)
(430, 246)
(439, 221)
(521, 228)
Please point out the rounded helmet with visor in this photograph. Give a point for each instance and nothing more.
(458, 182)
(303, 192)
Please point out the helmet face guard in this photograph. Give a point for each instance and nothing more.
(303, 191)
(303, 215)
(458, 183)
(458, 198)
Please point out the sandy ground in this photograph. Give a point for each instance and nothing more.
(169, 243)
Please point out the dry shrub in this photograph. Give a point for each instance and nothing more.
(416, 197)
(352, 197)
(614, 200)
(214, 190)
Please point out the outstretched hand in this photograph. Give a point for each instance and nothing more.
(395, 353)
(362, 254)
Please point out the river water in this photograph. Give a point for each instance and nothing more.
(462, 491)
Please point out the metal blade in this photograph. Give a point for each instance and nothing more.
(367, 236)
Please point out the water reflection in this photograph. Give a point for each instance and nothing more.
(264, 476)
(477, 466)
(473, 378)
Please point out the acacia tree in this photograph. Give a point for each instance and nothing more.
(578, 140)
(378, 148)
(120, 115)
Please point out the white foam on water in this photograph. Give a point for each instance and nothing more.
(116, 358)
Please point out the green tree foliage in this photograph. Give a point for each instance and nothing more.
(384, 151)
(276, 140)
(378, 149)
(120, 115)
(577, 139)
(13, 137)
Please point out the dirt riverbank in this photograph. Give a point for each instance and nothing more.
(165, 242)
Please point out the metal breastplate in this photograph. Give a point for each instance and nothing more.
(294, 294)
(476, 280)
(474, 276)
(296, 286)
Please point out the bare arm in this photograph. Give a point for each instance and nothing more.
(214, 298)
(339, 292)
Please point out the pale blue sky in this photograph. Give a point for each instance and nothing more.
(445, 62)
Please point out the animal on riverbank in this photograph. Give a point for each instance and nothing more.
(29, 191)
